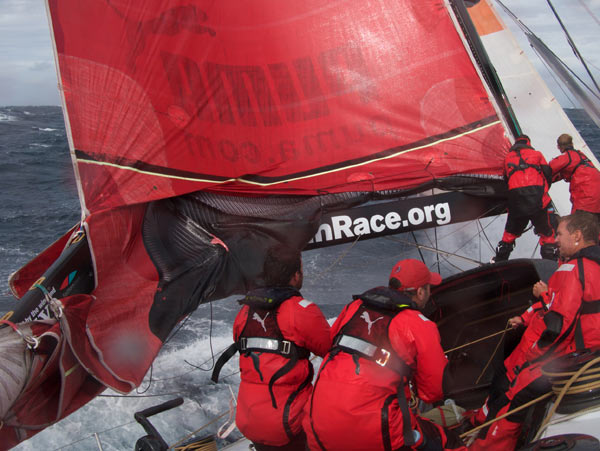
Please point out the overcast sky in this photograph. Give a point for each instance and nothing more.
(28, 76)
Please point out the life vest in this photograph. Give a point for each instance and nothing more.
(527, 182)
(372, 342)
(365, 336)
(261, 333)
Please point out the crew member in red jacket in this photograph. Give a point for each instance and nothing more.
(572, 322)
(275, 332)
(583, 178)
(381, 341)
(528, 176)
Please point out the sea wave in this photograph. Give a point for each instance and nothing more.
(8, 118)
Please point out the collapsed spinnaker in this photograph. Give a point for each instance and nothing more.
(202, 136)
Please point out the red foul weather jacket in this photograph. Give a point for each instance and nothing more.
(572, 321)
(584, 179)
(355, 403)
(272, 396)
(528, 176)
(533, 320)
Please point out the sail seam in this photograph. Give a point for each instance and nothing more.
(253, 179)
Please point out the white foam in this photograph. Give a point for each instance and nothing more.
(7, 118)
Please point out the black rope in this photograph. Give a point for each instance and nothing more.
(212, 353)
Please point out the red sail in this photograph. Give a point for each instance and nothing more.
(168, 97)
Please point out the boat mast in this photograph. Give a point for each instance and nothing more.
(572, 44)
(485, 65)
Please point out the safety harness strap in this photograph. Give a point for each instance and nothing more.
(262, 344)
(523, 165)
(590, 307)
(246, 345)
(583, 160)
(222, 360)
(579, 344)
(381, 356)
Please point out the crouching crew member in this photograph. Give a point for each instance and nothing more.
(275, 332)
(570, 323)
(528, 176)
(381, 342)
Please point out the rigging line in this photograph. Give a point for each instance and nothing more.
(337, 260)
(485, 234)
(590, 12)
(556, 80)
(191, 434)
(467, 223)
(142, 396)
(412, 233)
(212, 353)
(149, 381)
(446, 260)
(436, 246)
(572, 44)
(526, 30)
(436, 243)
(493, 353)
(510, 412)
(192, 370)
(92, 435)
(449, 254)
(464, 345)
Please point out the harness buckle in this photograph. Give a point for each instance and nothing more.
(243, 344)
(286, 347)
(384, 358)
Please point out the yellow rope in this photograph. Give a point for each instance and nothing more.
(476, 341)
(198, 430)
(493, 353)
(510, 412)
(566, 389)
(557, 388)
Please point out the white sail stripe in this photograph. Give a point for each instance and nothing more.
(140, 171)
(375, 159)
(176, 177)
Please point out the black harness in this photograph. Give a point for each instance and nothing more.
(522, 165)
(586, 308)
(583, 160)
(261, 333)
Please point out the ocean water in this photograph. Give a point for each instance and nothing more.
(39, 204)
